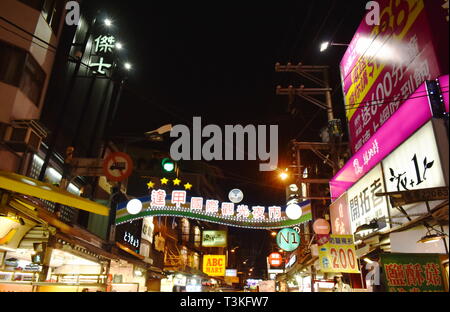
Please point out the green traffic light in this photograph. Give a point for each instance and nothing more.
(168, 165)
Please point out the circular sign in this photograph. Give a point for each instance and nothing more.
(134, 206)
(236, 196)
(117, 166)
(288, 239)
(321, 226)
(293, 212)
(275, 259)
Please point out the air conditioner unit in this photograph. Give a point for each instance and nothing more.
(22, 139)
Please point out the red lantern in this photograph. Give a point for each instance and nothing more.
(321, 226)
(275, 259)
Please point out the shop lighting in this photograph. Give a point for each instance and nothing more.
(137, 273)
(431, 238)
(119, 46)
(127, 66)
(108, 22)
(367, 260)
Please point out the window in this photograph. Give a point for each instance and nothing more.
(52, 11)
(12, 61)
(196, 261)
(18, 68)
(184, 230)
(197, 236)
(184, 256)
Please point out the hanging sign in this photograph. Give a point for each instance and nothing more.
(412, 272)
(214, 265)
(288, 239)
(275, 259)
(339, 255)
(214, 239)
(177, 204)
(117, 166)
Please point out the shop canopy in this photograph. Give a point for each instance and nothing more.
(27, 186)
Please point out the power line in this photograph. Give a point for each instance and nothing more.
(27, 39)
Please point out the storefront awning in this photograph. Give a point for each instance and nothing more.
(25, 185)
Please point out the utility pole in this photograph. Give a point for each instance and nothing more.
(328, 151)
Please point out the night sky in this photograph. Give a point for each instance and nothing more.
(217, 60)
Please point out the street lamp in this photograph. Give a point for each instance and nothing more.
(326, 44)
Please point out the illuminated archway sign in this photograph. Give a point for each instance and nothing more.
(177, 204)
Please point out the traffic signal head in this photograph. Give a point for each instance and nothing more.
(168, 165)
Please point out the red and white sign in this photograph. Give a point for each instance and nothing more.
(117, 166)
(275, 259)
(321, 226)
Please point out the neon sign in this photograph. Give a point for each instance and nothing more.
(159, 203)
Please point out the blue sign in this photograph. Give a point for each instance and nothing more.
(288, 239)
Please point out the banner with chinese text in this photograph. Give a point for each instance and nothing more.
(412, 272)
(339, 255)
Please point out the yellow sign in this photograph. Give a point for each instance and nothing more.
(214, 265)
(338, 255)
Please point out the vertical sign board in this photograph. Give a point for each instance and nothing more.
(385, 63)
(339, 255)
(363, 205)
(415, 164)
(129, 234)
(340, 219)
(412, 272)
(214, 265)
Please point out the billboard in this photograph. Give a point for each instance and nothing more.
(385, 63)
(413, 114)
(214, 239)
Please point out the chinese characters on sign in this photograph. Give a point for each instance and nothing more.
(411, 168)
(375, 88)
(179, 200)
(338, 255)
(103, 45)
(363, 205)
(412, 272)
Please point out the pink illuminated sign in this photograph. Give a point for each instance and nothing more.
(385, 63)
(414, 113)
(443, 81)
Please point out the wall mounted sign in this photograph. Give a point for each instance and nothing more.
(160, 203)
(339, 255)
(288, 239)
(412, 272)
(385, 63)
(214, 239)
(363, 204)
(414, 113)
(214, 265)
(411, 168)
